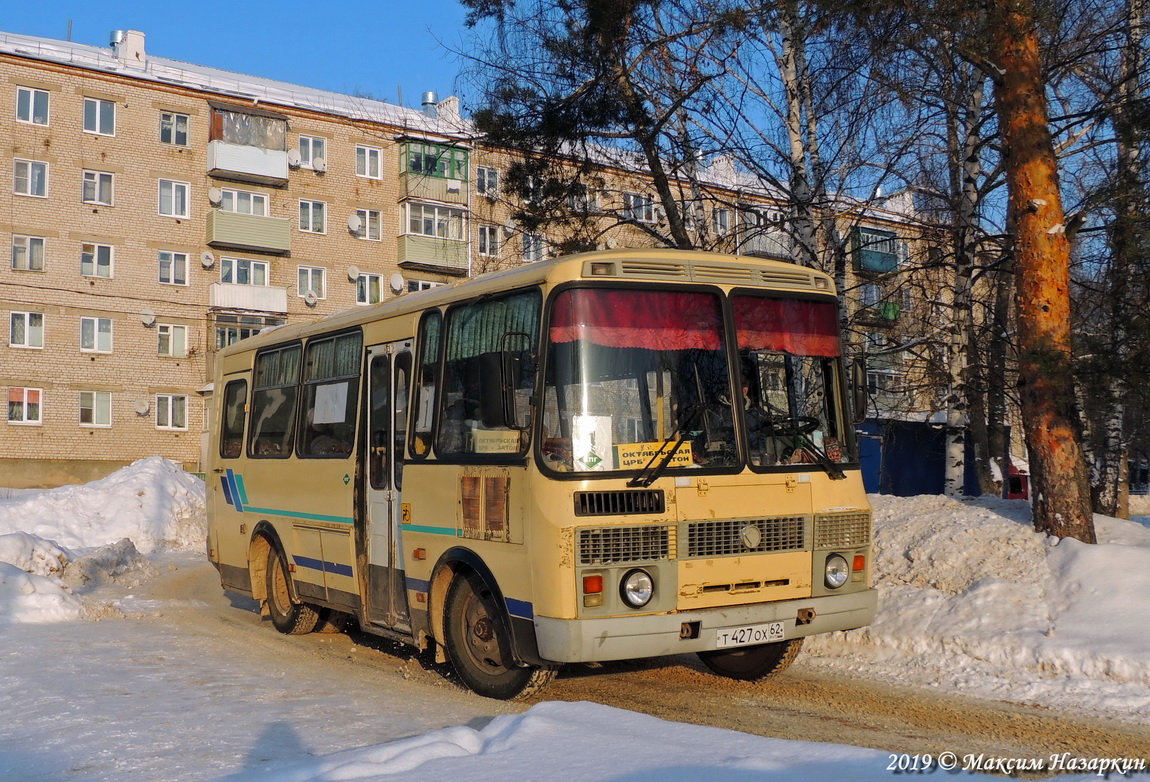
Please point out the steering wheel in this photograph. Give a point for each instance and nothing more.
(803, 424)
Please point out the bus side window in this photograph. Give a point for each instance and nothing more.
(426, 371)
(233, 418)
(331, 382)
(276, 387)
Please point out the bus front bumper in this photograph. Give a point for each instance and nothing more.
(628, 637)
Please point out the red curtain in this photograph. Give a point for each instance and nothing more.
(659, 320)
(802, 328)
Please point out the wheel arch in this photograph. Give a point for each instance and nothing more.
(264, 540)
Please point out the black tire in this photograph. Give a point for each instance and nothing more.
(287, 617)
(478, 643)
(752, 663)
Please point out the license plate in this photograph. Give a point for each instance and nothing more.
(749, 634)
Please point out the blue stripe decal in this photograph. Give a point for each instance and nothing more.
(418, 585)
(235, 493)
(227, 490)
(452, 531)
(243, 492)
(520, 608)
(291, 514)
(317, 564)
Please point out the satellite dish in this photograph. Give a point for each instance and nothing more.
(294, 158)
(353, 272)
(396, 282)
(310, 298)
(319, 164)
(508, 228)
(142, 406)
(215, 195)
(207, 260)
(354, 224)
(147, 317)
(612, 243)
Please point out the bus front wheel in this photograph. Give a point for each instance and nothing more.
(287, 617)
(479, 643)
(752, 663)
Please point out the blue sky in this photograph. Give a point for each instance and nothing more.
(367, 48)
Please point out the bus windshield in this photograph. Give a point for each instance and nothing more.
(640, 380)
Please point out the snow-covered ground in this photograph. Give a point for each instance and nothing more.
(971, 598)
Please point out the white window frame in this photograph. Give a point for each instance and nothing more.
(99, 187)
(534, 247)
(29, 178)
(24, 405)
(91, 343)
(171, 340)
(368, 161)
(94, 250)
(177, 264)
(166, 408)
(414, 286)
(309, 146)
(234, 200)
(721, 221)
(638, 207)
(446, 222)
(487, 181)
(489, 241)
(28, 343)
(24, 247)
(311, 273)
(100, 402)
(30, 116)
(371, 222)
(364, 288)
(170, 124)
(312, 213)
(101, 107)
(237, 264)
(179, 198)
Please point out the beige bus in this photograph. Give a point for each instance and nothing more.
(605, 456)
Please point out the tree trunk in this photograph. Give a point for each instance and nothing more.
(1061, 498)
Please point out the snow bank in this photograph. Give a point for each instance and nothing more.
(153, 502)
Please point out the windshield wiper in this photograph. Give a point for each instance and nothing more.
(650, 472)
(800, 429)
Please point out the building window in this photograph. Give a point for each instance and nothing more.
(533, 247)
(232, 328)
(95, 408)
(884, 382)
(172, 340)
(639, 208)
(244, 202)
(31, 106)
(30, 178)
(313, 278)
(583, 200)
(721, 221)
(876, 251)
(436, 160)
(28, 253)
(487, 181)
(414, 286)
(311, 149)
(442, 222)
(370, 224)
(99, 116)
(97, 188)
(173, 268)
(96, 260)
(489, 240)
(369, 289)
(24, 405)
(26, 330)
(174, 128)
(171, 411)
(96, 335)
(312, 217)
(369, 162)
(242, 271)
(174, 198)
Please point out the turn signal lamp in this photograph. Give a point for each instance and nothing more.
(859, 563)
(592, 585)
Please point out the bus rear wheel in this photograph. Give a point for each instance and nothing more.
(479, 644)
(287, 617)
(752, 663)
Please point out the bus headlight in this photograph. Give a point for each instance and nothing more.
(637, 588)
(837, 572)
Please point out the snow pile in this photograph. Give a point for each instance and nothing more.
(968, 588)
(152, 501)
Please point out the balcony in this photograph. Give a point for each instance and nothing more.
(428, 253)
(249, 298)
(254, 233)
(433, 188)
(768, 244)
(247, 164)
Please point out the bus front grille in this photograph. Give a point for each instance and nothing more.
(745, 536)
(842, 530)
(618, 503)
(612, 545)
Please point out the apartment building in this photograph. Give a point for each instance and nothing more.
(158, 211)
